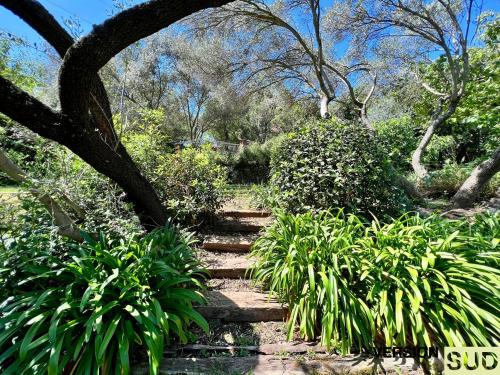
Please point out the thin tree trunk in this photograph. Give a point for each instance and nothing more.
(364, 119)
(438, 119)
(325, 100)
(62, 220)
(416, 159)
(470, 189)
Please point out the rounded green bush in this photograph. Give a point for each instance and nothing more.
(192, 183)
(329, 165)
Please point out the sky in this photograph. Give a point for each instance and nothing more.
(90, 12)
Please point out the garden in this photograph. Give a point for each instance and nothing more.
(247, 187)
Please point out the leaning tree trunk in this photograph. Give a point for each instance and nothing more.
(470, 189)
(90, 144)
(65, 225)
(416, 159)
(84, 124)
(438, 119)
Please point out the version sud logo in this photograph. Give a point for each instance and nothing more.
(455, 360)
(471, 360)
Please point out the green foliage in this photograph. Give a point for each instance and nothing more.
(334, 165)
(476, 122)
(400, 139)
(253, 163)
(298, 266)
(101, 203)
(475, 125)
(447, 180)
(192, 182)
(441, 149)
(85, 308)
(23, 219)
(145, 138)
(491, 31)
(412, 281)
(264, 197)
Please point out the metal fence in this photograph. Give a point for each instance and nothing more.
(217, 145)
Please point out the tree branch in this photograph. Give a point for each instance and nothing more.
(35, 15)
(30, 112)
(84, 59)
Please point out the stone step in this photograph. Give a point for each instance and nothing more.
(233, 244)
(242, 307)
(296, 347)
(235, 226)
(279, 365)
(234, 266)
(246, 213)
(243, 224)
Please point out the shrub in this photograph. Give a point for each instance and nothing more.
(264, 197)
(83, 308)
(146, 138)
(103, 202)
(400, 140)
(441, 149)
(446, 181)
(192, 182)
(93, 201)
(413, 281)
(253, 163)
(334, 165)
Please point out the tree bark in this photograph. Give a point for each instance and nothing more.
(62, 220)
(408, 187)
(363, 115)
(470, 189)
(324, 101)
(416, 159)
(114, 163)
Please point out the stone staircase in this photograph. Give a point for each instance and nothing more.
(226, 255)
(237, 312)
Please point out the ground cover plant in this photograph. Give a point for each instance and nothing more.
(88, 308)
(446, 181)
(359, 284)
